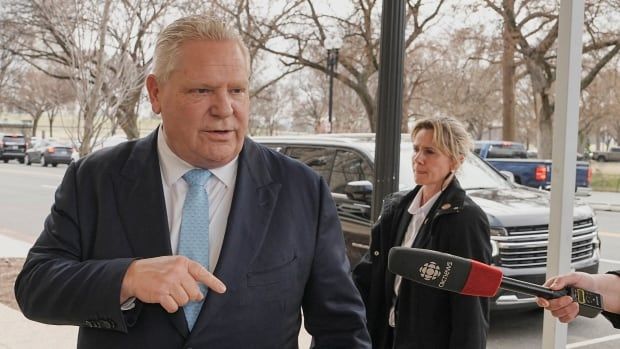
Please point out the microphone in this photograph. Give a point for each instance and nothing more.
(470, 277)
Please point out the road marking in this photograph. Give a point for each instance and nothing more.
(33, 173)
(593, 341)
(17, 235)
(609, 234)
(609, 261)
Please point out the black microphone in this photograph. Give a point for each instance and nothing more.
(470, 277)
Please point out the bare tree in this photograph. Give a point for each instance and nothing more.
(47, 41)
(37, 94)
(7, 58)
(508, 76)
(309, 93)
(300, 35)
(534, 26)
(460, 83)
(600, 107)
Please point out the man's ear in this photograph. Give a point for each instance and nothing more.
(153, 87)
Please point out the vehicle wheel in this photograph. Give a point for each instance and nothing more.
(5, 160)
(601, 158)
(43, 163)
(27, 160)
(21, 161)
(54, 165)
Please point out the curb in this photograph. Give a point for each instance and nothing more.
(605, 207)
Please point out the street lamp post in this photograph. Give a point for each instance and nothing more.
(332, 63)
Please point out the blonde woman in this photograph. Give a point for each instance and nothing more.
(438, 215)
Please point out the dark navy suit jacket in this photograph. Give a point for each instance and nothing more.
(283, 251)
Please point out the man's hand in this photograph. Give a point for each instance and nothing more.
(171, 281)
(564, 308)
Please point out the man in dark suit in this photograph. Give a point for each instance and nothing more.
(112, 256)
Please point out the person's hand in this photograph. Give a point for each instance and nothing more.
(171, 281)
(564, 308)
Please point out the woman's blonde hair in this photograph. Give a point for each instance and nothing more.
(198, 27)
(449, 134)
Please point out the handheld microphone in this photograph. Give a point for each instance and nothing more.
(469, 277)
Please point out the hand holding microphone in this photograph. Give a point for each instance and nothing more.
(469, 277)
(607, 285)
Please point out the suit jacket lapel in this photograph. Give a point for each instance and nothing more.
(253, 203)
(141, 201)
(142, 208)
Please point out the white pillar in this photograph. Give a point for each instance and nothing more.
(565, 124)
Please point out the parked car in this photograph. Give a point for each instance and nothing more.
(536, 173)
(12, 146)
(49, 152)
(518, 215)
(612, 155)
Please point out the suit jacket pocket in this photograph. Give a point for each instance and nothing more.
(272, 274)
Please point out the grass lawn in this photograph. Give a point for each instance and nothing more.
(605, 182)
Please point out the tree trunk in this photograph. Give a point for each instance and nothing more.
(35, 123)
(51, 123)
(127, 116)
(545, 127)
(370, 107)
(508, 80)
(404, 119)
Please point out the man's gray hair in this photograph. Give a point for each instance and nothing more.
(198, 27)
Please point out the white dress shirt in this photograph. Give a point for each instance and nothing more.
(220, 188)
(419, 214)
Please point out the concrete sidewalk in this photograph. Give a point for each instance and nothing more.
(17, 332)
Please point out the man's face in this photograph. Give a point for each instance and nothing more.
(205, 103)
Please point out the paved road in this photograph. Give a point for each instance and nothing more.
(27, 194)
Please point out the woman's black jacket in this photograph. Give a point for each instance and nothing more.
(426, 317)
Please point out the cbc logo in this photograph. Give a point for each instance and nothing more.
(430, 271)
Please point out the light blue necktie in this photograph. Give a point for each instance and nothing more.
(194, 237)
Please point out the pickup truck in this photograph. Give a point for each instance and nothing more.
(612, 155)
(518, 216)
(536, 173)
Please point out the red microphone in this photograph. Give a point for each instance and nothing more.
(457, 274)
(469, 277)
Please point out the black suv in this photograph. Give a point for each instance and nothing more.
(12, 147)
(518, 215)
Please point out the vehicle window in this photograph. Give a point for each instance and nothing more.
(405, 172)
(506, 151)
(349, 166)
(14, 139)
(319, 159)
